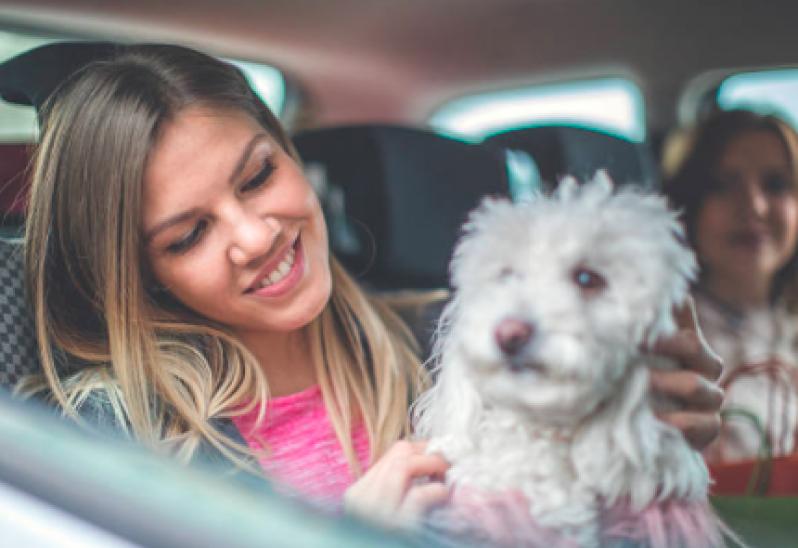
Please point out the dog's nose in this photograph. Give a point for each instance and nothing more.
(512, 335)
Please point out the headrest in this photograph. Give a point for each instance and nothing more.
(566, 150)
(395, 198)
(31, 77)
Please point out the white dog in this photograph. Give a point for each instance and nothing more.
(542, 384)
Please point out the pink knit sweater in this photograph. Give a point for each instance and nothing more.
(305, 457)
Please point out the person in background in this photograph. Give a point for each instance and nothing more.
(737, 187)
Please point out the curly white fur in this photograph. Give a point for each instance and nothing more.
(568, 420)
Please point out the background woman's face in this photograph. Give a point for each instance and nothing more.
(746, 228)
(231, 227)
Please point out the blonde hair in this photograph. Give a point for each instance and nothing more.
(100, 324)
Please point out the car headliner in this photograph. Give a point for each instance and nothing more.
(397, 60)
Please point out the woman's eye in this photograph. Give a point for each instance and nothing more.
(776, 184)
(589, 280)
(260, 178)
(189, 240)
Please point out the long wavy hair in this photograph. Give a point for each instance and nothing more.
(690, 183)
(100, 324)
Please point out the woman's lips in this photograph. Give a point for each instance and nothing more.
(751, 239)
(288, 281)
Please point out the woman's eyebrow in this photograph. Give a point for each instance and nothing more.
(236, 173)
(242, 162)
(171, 221)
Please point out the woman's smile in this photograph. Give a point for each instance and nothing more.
(282, 274)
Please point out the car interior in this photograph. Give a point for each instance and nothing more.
(406, 114)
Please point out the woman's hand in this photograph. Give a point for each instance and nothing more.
(401, 487)
(693, 386)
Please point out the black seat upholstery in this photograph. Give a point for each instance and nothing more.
(18, 351)
(395, 198)
(567, 150)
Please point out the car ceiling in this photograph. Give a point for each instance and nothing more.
(397, 60)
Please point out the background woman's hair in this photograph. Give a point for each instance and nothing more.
(692, 179)
(165, 371)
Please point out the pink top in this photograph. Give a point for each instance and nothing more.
(305, 457)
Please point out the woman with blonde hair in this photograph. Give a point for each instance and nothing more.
(737, 186)
(178, 260)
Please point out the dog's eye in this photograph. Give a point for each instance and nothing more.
(589, 280)
(507, 273)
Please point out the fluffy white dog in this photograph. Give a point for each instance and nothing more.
(542, 381)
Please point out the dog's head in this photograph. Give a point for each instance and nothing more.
(554, 297)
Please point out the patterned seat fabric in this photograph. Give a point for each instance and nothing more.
(18, 351)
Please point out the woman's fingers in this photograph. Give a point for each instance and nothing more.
(699, 429)
(397, 487)
(693, 386)
(688, 346)
(403, 472)
(691, 391)
(421, 499)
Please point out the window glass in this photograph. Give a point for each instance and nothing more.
(614, 105)
(267, 82)
(767, 92)
(18, 123)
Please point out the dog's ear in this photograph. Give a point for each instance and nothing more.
(567, 189)
(452, 407)
(603, 180)
(625, 451)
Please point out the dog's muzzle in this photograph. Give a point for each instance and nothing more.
(513, 336)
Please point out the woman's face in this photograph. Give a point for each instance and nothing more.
(746, 228)
(231, 227)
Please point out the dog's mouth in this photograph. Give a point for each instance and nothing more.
(539, 369)
(519, 366)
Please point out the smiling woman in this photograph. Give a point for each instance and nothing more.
(178, 256)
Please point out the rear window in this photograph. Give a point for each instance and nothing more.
(612, 105)
(767, 92)
(18, 123)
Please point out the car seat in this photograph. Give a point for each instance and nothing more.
(395, 198)
(18, 351)
(559, 150)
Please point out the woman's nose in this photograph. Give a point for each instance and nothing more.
(253, 236)
(754, 202)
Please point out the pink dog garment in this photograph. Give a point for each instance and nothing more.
(304, 456)
(503, 520)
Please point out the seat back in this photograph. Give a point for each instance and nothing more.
(565, 150)
(396, 197)
(18, 350)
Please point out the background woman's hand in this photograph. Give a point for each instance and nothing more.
(401, 487)
(693, 387)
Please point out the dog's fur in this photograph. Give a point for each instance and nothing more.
(568, 420)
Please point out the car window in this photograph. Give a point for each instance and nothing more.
(18, 123)
(767, 92)
(614, 105)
